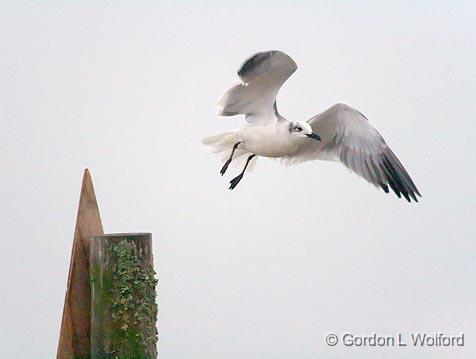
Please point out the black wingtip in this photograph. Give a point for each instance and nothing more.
(254, 61)
(398, 178)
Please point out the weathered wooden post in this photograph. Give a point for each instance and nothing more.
(74, 341)
(123, 297)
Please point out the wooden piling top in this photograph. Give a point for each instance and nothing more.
(74, 340)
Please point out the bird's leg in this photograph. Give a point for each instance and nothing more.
(228, 161)
(238, 178)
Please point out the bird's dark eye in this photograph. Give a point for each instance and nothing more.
(298, 129)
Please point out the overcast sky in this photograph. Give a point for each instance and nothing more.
(128, 89)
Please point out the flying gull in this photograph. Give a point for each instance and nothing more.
(341, 133)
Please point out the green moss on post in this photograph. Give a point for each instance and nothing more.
(123, 297)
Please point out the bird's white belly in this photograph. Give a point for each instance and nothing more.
(267, 141)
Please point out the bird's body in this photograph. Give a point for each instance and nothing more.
(341, 133)
(268, 139)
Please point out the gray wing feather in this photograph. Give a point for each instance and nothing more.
(347, 136)
(262, 76)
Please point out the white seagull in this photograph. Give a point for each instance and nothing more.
(341, 133)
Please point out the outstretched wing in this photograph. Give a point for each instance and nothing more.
(347, 136)
(262, 76)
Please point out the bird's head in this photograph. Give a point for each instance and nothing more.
(302, 130)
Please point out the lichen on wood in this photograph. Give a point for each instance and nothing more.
(124, 298)
(134, 308)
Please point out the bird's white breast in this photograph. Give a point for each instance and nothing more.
(269, 140)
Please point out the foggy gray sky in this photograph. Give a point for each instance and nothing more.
(128, 90)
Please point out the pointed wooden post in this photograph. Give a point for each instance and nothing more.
(74, 341)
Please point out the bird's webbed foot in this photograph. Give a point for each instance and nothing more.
(234, 182)
(225, 167)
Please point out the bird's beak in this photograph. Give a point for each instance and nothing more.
(314, 136)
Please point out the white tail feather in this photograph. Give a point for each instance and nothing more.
(222, 145)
